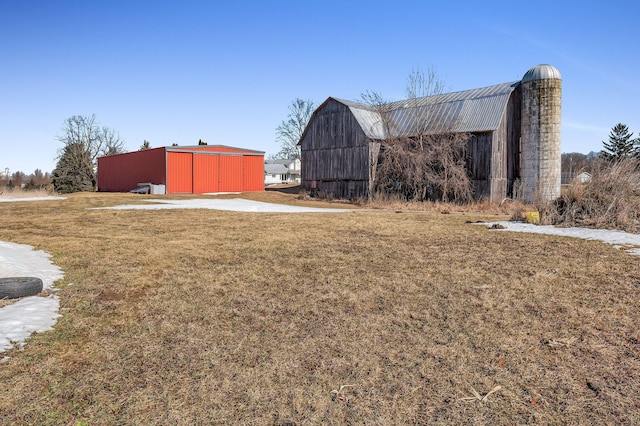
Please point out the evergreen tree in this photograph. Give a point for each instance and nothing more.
(31, 185)
(145, 145)
(74, 170)
(620, 144)
(201, 142)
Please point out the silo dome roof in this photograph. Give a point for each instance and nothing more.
(542, 72)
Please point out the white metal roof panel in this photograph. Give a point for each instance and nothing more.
(475, 110)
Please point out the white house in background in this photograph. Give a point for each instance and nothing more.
(281, 171)
(569, 178)
(584, 177)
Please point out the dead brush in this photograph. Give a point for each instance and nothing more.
(611, 200)
(515, 209)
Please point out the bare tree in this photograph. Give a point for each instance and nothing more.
(18, 178)
(111, 142)
(385, 126)
(84, 141)
(425, 158)
(289, 132)
(421, 90)
(385, 129)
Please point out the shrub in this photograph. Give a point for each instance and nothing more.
(611, 199)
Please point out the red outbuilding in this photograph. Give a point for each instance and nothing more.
(184, 170)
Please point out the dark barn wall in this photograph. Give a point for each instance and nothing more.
(494, 157)
(479, 162)
(335, 153)
(513, 139)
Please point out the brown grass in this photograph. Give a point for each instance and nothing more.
(209, 317)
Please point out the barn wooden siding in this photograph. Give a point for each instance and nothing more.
(493, 157)
(335, 154)
(498, 176)
(339, 159)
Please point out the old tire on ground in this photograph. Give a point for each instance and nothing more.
(15, 287)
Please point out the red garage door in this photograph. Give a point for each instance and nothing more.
(231, 173)
(180, 172)
(206, 172)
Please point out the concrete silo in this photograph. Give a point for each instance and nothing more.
(541, 89)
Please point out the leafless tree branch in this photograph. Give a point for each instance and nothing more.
(289, 132)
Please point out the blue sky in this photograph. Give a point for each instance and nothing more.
(225, 72)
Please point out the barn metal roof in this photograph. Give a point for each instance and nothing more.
(475, 110)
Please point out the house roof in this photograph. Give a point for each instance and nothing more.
(275, 169)
(475, 110)
(284, 162)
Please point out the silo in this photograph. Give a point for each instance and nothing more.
(541, 89)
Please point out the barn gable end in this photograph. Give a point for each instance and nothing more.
(335, 152)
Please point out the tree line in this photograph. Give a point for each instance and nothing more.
(27, 182)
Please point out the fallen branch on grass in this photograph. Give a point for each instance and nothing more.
(477, 397)
(337, 395)
(559, 343)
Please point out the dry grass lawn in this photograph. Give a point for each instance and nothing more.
(209, 317)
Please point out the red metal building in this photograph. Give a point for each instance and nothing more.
(192, 169)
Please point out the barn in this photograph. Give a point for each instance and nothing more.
(513, 137)
(184, 170)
